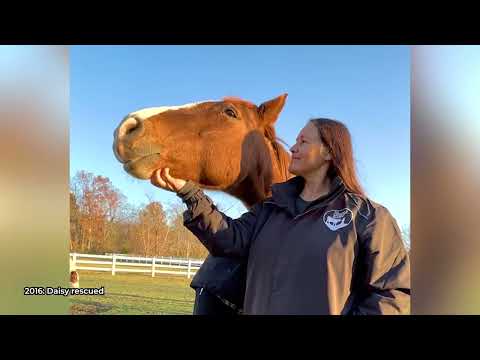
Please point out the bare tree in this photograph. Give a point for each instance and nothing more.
(153, 227)
(97, 205)
(75, 229)
(102, 220)
(182, 242)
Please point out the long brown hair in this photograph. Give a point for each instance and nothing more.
(336, 137)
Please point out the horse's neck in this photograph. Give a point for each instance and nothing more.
(253, 187)
(248, 192)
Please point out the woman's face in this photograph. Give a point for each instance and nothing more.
(308, 153)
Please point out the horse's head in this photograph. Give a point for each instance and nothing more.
(217, 144)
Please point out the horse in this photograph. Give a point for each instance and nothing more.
(228, 145)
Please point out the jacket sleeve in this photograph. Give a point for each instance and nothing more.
(384, 283)
(220, 234)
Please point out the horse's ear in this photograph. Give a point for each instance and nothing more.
(270, 109)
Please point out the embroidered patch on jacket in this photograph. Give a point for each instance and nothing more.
(337, 219)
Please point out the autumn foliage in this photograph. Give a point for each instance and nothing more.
(102, 221)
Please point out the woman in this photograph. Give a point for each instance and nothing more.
(318, 245)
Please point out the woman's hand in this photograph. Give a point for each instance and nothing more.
(162, 179)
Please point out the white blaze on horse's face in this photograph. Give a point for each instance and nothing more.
(149, 112)
(133, 121)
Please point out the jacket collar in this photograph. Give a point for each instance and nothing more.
(285, 194)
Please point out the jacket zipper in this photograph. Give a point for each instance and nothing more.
(296, 217)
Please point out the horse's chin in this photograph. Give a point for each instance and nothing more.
(143, 167)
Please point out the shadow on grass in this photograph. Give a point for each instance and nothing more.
(89, 308)
(140, 297)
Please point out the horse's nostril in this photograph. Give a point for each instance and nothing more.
(129, 126)
(129, 130)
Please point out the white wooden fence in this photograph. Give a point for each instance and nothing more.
(122, 263)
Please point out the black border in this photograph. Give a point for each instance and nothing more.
(361, 36)
(240, 23)
(365, 335)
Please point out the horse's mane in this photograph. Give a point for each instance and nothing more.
(282, 155)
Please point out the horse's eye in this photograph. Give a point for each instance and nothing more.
(230, 113)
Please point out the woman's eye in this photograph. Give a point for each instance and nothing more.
(230, 113)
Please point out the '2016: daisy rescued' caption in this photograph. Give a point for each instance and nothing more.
(60, 291)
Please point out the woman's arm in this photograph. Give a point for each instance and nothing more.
(220, 234)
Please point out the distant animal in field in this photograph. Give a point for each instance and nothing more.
(74, 279)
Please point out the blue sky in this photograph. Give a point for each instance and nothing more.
(365, 87)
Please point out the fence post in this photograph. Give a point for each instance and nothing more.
(189, 267)
(113, 264)
(153, 267)
(74, 262)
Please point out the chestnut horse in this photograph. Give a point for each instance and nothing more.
(227, 145)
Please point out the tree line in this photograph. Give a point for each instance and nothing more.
(102, 221)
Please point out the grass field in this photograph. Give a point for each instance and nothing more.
(134, 294)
